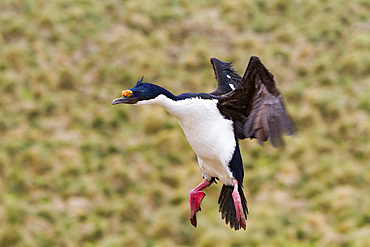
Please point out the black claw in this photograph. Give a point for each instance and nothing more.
(193, 220)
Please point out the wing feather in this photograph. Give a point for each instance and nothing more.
(256, 107)
(227, 78)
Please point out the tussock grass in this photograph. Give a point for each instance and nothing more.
(75, 171)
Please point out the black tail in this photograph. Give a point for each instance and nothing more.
(227, 207)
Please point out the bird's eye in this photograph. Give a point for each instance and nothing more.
(136, 94)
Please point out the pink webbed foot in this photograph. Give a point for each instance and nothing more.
(238, 205)
(196, 197)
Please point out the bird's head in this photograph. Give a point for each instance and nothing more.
(139, 93)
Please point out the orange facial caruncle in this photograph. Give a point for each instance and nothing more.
(127, 93)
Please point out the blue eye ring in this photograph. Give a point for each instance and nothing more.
(136, 94)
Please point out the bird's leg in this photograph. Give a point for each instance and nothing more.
(196, 197)
(238, 205)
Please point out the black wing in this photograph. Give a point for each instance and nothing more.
(227, 78)
(256, 106)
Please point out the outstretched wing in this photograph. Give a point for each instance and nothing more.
(256, 106)
(227, 78)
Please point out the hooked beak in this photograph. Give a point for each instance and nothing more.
(127, 98)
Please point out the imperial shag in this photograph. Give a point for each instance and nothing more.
(213, 123)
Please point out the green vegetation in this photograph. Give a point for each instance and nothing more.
(76, 171)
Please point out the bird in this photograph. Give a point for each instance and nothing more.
(213, 123)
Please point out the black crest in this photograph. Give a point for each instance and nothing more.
(140, 81)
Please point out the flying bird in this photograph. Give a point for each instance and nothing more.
(240, 107)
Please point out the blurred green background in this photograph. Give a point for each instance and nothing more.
(76, 171)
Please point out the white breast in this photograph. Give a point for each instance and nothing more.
(210, 135)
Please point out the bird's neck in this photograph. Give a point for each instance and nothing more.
(179, 106)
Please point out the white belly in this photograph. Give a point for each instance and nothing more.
(209, 134)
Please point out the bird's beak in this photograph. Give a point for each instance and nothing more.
(127, 98)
